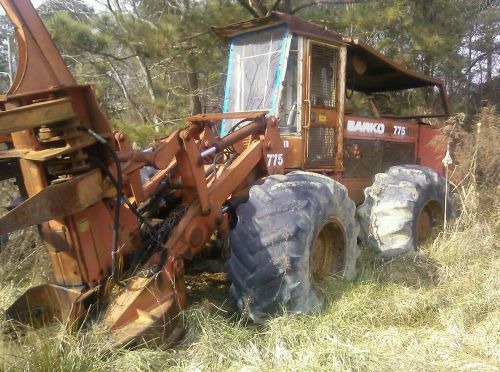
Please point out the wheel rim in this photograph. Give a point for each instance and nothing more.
(327, 255)
(430, 216)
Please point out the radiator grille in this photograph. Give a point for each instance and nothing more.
(321, 144)
(323, 76)
(396, 153)
(364, 158)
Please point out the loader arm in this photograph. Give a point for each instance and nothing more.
(112, 240)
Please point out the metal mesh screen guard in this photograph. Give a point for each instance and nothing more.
(324, 69)
(321, 144)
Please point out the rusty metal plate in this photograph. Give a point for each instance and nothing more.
(43, 304)
(10, 154)
(52, 153)
(54, 201)
(35, 115)
(227, 115)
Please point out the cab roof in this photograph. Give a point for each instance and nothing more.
(381, 73)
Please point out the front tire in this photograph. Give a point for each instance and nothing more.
(401, 209)
(293, 230)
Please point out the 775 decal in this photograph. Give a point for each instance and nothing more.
(274, 160)
(399, 130)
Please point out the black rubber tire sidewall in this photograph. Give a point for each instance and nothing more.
(411, 185)
(270, 245)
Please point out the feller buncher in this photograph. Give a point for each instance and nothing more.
(276, 176)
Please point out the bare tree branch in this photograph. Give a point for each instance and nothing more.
(254, 7)
(247, 6)
(104, 54)
(331, 2)
(119, 81)
(472, 64)
(274, 7)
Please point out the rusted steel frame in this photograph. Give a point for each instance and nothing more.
(150, 186)
(192, 173)
(256, 126)
(55, 201)
(190, 162)
(273, 150)
(194, 229)
(148, 309)
(159, 158)
(226, 115)
(40, 65)
(5, 138)
(133, 179)
(76, 244)
(10, 154)
(42, 94)
(36, 115)
(236, 173)
(85, 257)
(207, 138)
(163, 157)
(80, 259)
(167, 148)
(86, 107)
(72, 145)
(82, 98)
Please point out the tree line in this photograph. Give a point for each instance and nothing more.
(154, 62)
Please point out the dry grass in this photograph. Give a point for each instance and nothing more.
(23, 262)
(476, 153)
(437, 310)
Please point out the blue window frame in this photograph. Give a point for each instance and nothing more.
(254, 71)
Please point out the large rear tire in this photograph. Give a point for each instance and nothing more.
(401, 209)
(293, 230)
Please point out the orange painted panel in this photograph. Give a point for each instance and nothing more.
(294, 151)
(431, 152)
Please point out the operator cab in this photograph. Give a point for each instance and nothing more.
(306, 75)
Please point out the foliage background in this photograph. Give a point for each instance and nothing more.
(154, 62)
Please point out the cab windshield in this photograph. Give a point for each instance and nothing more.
(253, 72)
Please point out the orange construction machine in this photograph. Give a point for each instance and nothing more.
(276, 177)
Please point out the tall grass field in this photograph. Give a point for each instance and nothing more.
(435, 310)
